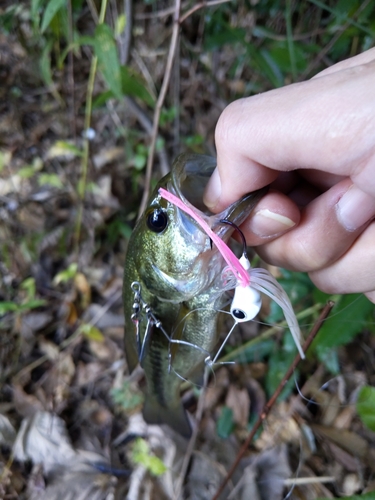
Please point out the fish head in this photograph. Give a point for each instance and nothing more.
(173, 255)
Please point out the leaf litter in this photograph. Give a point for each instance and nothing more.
(70, 419)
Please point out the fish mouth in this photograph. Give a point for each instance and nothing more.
(189, 178)
(184, 285)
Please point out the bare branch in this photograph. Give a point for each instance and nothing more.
(200, 6)
(268, 406)
(159, 104)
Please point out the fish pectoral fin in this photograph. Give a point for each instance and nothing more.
(196, 376)
(131, 353)
(174, 416)
(178, 331)
(145, 344)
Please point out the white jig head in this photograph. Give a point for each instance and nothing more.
(247, 301)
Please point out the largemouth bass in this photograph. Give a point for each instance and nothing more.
(173, 288)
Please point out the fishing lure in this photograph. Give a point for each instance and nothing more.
(246, 302)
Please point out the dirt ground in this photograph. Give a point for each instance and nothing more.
(70, 412)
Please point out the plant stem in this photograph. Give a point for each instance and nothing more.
(86, 143)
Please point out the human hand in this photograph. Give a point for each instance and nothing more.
(315, 142)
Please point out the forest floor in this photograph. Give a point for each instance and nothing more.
(70, 413)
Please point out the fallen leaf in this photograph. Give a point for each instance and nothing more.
(106, 156)
(264, 478)
(238, 400)
(7, 431)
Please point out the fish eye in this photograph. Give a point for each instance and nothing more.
(157, 221)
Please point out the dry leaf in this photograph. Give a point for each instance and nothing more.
(238, 400)
(264, 478)
(7, 431)
(84, 289)
(25, 404)
(348, 441)
(69, 473)
(106, 156)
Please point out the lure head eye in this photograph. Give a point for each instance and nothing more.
(238, 314)
(246, 304)
(157, 220)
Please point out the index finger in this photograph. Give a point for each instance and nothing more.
(325, 123)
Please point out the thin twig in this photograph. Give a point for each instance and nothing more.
(268, 406)
(200, 5)
(72, 117)
(86, 143)
(159, 105)
(332, 42)
(294, 481)
(177, 20)
(125, 37)
(169, 11)
(146, 123)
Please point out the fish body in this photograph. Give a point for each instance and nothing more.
(172, 263)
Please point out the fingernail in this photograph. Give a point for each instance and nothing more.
(265, 223)
(213, 190)
(355, 208)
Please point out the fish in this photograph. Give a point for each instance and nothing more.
(173, 288)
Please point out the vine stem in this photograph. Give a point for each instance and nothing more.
(86, 142)
(268, 406)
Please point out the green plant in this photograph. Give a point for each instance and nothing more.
(28, 302)
(142, 455)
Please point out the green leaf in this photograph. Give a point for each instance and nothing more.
(142, 455)
(278, 364)
(365, 496)
(8, 306)
(66, 274)
(348, 318)
(255, 353)
(120, 25)
(61, 148)
(46, 71)
(45, 64)
(51, 10)
(341, 17)
(133, 85)
(366, 406)
(26, 172)
(32, 304)
(29, 285)
(50, 179)
(330, 360)
(128, 396)
(92, 333)
(108, 61)
(225, 423)
(140, 161)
